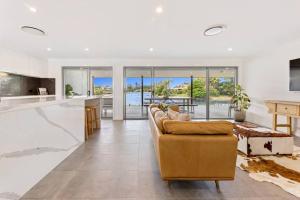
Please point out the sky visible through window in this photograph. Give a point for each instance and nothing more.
(98, 81)
(147, 81)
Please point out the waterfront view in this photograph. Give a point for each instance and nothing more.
(102, 86)
(190, 94)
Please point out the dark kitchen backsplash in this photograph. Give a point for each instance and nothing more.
(19, 85)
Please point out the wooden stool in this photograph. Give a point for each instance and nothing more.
(91, 119)
(88, 117)
(96, 117)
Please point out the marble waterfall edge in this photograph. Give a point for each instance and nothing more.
(35, 140)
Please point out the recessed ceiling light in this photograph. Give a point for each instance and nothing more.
(33, 30)
(159, 9)
(86, 49)
(32, 9)
(3, 74)
(151, 49)
(49, 49)
(229, 49)
(214, 30)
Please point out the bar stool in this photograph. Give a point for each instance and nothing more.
(95, 117)
(91, 120)
(88, 115)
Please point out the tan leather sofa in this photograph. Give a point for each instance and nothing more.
(186, 155)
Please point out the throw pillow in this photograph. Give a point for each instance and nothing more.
(154, 110)
(159, 118)
(184, 117)
(173, 115)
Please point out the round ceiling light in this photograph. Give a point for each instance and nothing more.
(33, 30)
(159, 9)
(214, 30)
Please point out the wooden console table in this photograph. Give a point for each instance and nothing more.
(287, 108)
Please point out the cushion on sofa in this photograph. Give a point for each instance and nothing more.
(184, 117)
(159, 118)
(173, 115)
(197, 127)
(152, 105)
(174, 107)
(154, 110)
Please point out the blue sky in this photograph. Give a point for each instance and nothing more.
(147, 81)
(103, 81)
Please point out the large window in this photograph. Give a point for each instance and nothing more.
(138, 89)
(203, 92)
(222, 82)
(85, 81)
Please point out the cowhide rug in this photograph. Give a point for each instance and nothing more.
(283, 171)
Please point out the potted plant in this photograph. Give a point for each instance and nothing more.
(241, 102)
(69, 90)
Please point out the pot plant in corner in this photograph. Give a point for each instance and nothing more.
(241, 102)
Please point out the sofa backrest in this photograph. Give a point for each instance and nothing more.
(176, 127)
(198, 127)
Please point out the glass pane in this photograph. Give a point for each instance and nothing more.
(138, 86)
(221, 88)
(147, 94)
(101, 82)
(75, 82)
(199, 95)
(174, 86)
(102, 86)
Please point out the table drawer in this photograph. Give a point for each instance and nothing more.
(287, 109)
(271, 107)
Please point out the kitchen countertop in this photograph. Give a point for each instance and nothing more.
(12, 103)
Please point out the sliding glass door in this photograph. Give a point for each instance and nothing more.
(222, 82)
(203, 92)
(199, 94)
(138, 91)
(184, 86)
(101, 82)
(86, 81)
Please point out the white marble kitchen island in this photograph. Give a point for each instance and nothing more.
(36, 134)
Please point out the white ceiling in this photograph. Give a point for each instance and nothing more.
(128, 28)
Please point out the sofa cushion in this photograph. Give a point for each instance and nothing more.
(173, 115)
(174, 107)
(152, 105)
(159, 118)
(197, 127)
(184, 117)
(154, 110)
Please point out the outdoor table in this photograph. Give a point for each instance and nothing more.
(186, 101)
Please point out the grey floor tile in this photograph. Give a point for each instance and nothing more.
(119, 163)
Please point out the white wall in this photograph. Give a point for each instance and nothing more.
(267, 78)
(19, 63)
(55, 70)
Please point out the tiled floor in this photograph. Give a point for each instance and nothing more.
(119, 163)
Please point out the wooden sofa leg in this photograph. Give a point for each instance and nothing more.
(169, 183)
(217, 185)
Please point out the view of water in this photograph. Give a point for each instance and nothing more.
(135, 98)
